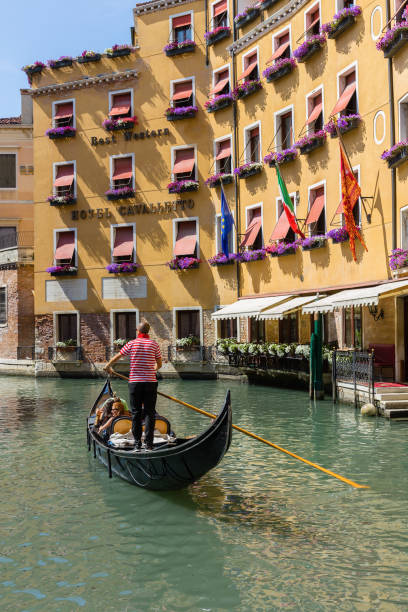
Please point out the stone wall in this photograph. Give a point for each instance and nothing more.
(9, 331)
(19, 329)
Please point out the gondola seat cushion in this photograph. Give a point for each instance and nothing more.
(123, 425)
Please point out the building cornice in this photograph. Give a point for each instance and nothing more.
(126, 75)
(269, 24)
(158, 5)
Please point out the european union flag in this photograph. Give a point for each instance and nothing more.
(227, 221)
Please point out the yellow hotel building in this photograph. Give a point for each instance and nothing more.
(205, 106)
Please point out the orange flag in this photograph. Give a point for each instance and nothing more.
(350, 193)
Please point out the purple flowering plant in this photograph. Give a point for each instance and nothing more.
(89, 53)
(245, 88)
(278, 64)
(342, 123)
(282, 247)
(61, 269)
(245, 12)
(53, 63)
(181, 111)
(352, 11)
(31, 67)
(248, 168)
(222, 260)
(183, 263)
(184, 185)
(179, 45)
(310, 138)
(214, 103)
(213, 33)
(313, 240)
(303, 50)
(340, 234)
(395, 149)
(217, 179)
(254, 255)
(280, 157)
(121, 192)
(398, 259)
(65, 130)
(114, 48)
(125, 267)
(122, 123)
(388, 38)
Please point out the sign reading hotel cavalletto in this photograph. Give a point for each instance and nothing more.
(95, 141)
(133, 209)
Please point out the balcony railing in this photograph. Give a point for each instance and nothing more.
(67, 353)
(355, 367)
(25, 352)
(178, 354)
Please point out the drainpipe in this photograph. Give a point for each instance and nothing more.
(235, 138)
(207, 61)
(392, 138)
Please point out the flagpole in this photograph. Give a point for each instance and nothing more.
(229, 210)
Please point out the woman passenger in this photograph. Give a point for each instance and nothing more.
(118, 409)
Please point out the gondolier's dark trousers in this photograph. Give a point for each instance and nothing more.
(143, 396)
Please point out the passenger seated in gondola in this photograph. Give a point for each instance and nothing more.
(118, 409)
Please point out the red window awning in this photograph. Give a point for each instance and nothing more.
(64, 111)
(315, 113)
(315, 210)
(344, 98)
(122, 168)
(181, 22)
(183, 91)
(279, 52)
(223, 80)
(220, 7)
(65, 246)
(223, 149)
(251, 64)
(123, 245)
(281, 228)
(64, 176)
(252, 232)
(120, 104)
(184, 161)
(186, 240)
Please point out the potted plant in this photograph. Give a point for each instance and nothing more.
(217, 34)
(119, 343)
(310, 142)
(398, 259)
(123, 123)
(345, 123)
(177, 48)
(281, 157)
(341, 21)
(182, 186)
(279, 68)
(61, 200)
(242, 90)
(180, 112)
(394, 39)
(313, 242)
(70, 343)
(248, 169)
(121, 193)
(119, 50)
(188, 343)
(397, 155)
(184, 263)
(222, 260)
(65, 270)
(338, 235)
(309, 47)
(218, 179)
(248, 14)
(64, 349)
(282, 248)
(221, 101)
(65, 131)
(254, 255)
(31, 69)
(61, 62)
(125, 267)
(88, 56)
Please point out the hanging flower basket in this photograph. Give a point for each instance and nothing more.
(127, 123)
(249, 169)
(122, 268)
(309, 143)
(255, 255)
(214, 36)
(393, 39)
(246, 89)
(341, 21)
(309, 47)
(62, 270)
(218, 179)
(119, 50)
(61, 200)
(314, 242)
(88, 56)
(345, 123)
(177, 48)
(182, 186)
(222, 260)
(281, 157)
(398, 154)
(248, 14)
(62, 62)
(181, 112)
(282, 248)
(122, 193)
(184, 263)
(61, 132)
(279, 69)
(218, 102)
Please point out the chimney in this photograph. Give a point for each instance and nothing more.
(26, 107)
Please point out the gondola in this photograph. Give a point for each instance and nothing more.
(172, 464)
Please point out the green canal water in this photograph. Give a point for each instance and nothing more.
(260, 532)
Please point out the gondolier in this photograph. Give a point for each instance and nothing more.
(145, 360)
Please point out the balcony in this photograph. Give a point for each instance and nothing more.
(66, 354)
(16, 248)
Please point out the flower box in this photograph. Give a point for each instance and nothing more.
(267, 4)
(345, 123)
(280, 69)
(314, 242)
(62, 270)
(397, 155)
(61, 200)
(398, 260)
(338, 235)
(309, 47)
(176, 48)
(288, 250)
(182, 186)
(184, 263)
(393, 40)
(127, 123)
(123, 193)
(122, 268)
(222, 260)
(217, 34)
(118, 51)
(61, 132)
(218, 179)
(84, 59)
(311, 142)
(249, 169)
(246, 89)
(255, 255)
(33, 68)
(218, 103)
(248, 15)
(281, 157)
(181, 112)
(341, 26)
(60, 63)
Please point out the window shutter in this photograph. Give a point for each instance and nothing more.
(8, 179)
(3, 305)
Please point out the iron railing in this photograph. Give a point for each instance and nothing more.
(13, 239)
(356, 367)
(176, 354)
(68, 353)
(25, 352)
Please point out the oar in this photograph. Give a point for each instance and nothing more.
(252, 435)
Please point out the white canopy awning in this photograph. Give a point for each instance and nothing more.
(282, 310)
(364, 296)
(248, 307)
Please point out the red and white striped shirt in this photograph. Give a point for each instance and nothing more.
(143, 355)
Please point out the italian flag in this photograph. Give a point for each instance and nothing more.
(288, 204)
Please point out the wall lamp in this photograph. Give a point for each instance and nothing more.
(377, 315)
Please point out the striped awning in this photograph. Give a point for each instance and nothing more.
(283, 310)
(248, 307)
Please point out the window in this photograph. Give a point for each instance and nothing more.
(403, 118)
(221, 82)
(67, 327)
(120, 104)
(316, 219)
(313, 21)
(220, 14)
(404, 228)
(281, 47)
(8, 174)
(357, 206)
(223, 157)
(400, 6)
(252, 144)
(188, 323)
(228, 328)
(65, 248)
(314, 119)
(182, 93)
(256, 330)
(253, 237)
(342, 4)
(63, 113)
(185, 238)
(250, 66)
(122, 171)
(184, 165)
(8, 237)
(124, 325)
(284, 130)
(123, 243)
(181, 28)
(282, 230)
(218, 236)
(353, 327)
(347, 103)
(289, 329)
(64, 179)
(3, 305)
